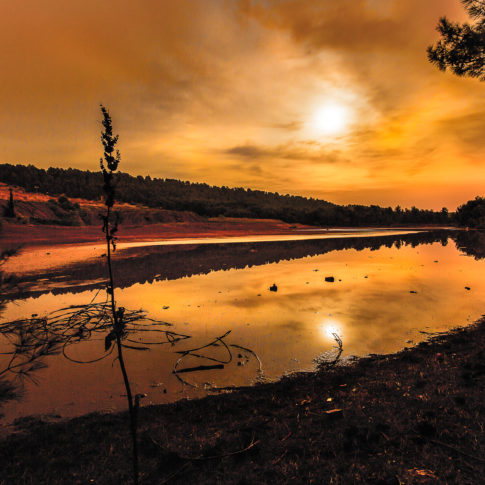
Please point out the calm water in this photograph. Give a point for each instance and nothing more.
(390, 291)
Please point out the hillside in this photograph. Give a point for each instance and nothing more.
(211, 201)
(40, 208)
(42, 220)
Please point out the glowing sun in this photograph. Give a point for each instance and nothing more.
(331, 118)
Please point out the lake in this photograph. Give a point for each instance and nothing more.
(390, 290)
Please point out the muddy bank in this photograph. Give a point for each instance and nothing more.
(26, 235)
(417, 416)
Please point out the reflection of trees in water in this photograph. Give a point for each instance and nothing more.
(472, 243)
(148, 264)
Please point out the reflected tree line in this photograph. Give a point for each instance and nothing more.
(157, 263)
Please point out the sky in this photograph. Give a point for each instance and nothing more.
(331, 99)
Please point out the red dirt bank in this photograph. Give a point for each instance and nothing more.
(33, 235)
(36, 222)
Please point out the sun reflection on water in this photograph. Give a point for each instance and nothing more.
(331, 327)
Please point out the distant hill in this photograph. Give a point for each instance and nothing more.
(211, 201)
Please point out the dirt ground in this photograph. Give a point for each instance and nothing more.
(44, 235)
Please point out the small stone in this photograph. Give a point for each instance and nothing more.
(329, 279)
(273, 287)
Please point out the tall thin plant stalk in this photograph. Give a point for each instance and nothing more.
(109, 164)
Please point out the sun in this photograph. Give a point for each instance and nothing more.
(330, 119)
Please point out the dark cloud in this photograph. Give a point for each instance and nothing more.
(291, 126)
(248, 151)
(309, 151)
(355, 25)
(468, 129)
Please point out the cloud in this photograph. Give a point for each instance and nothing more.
(468, 129)
(355, 25)
(224, 92)
(248, 151)
(291, 126)
(309, 151)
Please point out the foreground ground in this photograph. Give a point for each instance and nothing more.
(414, 417)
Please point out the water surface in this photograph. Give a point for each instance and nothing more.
(389, 291)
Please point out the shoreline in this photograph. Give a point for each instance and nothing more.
(38, 235)
(46, 247)
(416, 416)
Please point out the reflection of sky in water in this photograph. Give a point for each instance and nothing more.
(369, 305)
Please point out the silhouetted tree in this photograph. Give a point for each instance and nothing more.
(10, 209)
(462, 46)
(472, 214)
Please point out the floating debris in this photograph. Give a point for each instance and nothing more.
(198, 368)
(334, 413)
(273, 287)
(329, 279)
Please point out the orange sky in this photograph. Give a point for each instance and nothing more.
(332, 99)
